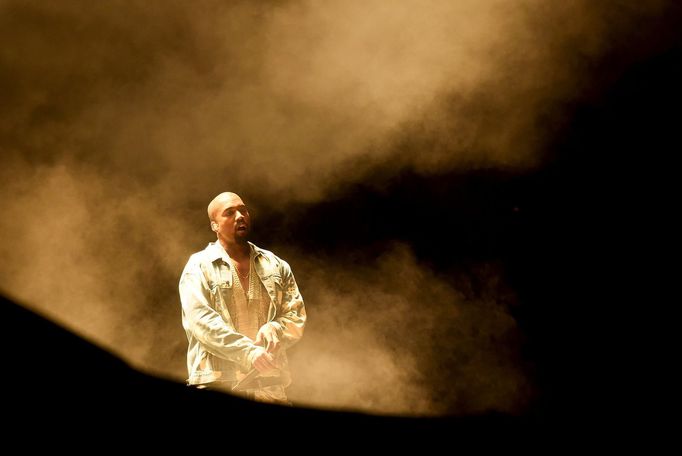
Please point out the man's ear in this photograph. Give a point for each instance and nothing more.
(214, 226)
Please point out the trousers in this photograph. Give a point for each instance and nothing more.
(274, 394)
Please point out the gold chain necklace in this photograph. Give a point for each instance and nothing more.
(239, 272)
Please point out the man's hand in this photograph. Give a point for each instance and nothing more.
(267, 336)
(263, 361)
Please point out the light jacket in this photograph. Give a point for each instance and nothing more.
(216, 351)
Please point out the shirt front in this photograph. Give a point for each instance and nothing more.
(248, 309)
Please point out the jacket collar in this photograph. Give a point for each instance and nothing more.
(215, 251)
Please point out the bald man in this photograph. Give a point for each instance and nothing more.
(241, 310)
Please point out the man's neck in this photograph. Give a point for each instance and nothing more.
(236, 251)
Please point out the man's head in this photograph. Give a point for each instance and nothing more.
(230, 218)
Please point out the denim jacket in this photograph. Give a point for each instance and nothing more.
(216, 351)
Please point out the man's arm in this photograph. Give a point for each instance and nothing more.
(287, 327)
(208, 326)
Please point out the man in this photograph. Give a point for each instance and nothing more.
(241, 309)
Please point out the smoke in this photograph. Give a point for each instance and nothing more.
(120, 120)
(392, 336)
(93, 257)
(284, 97)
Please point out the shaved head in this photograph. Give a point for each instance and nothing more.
(219, 201)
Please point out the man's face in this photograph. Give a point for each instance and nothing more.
(232, 221)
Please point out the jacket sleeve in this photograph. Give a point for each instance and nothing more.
(291, 315)
(207, 325)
